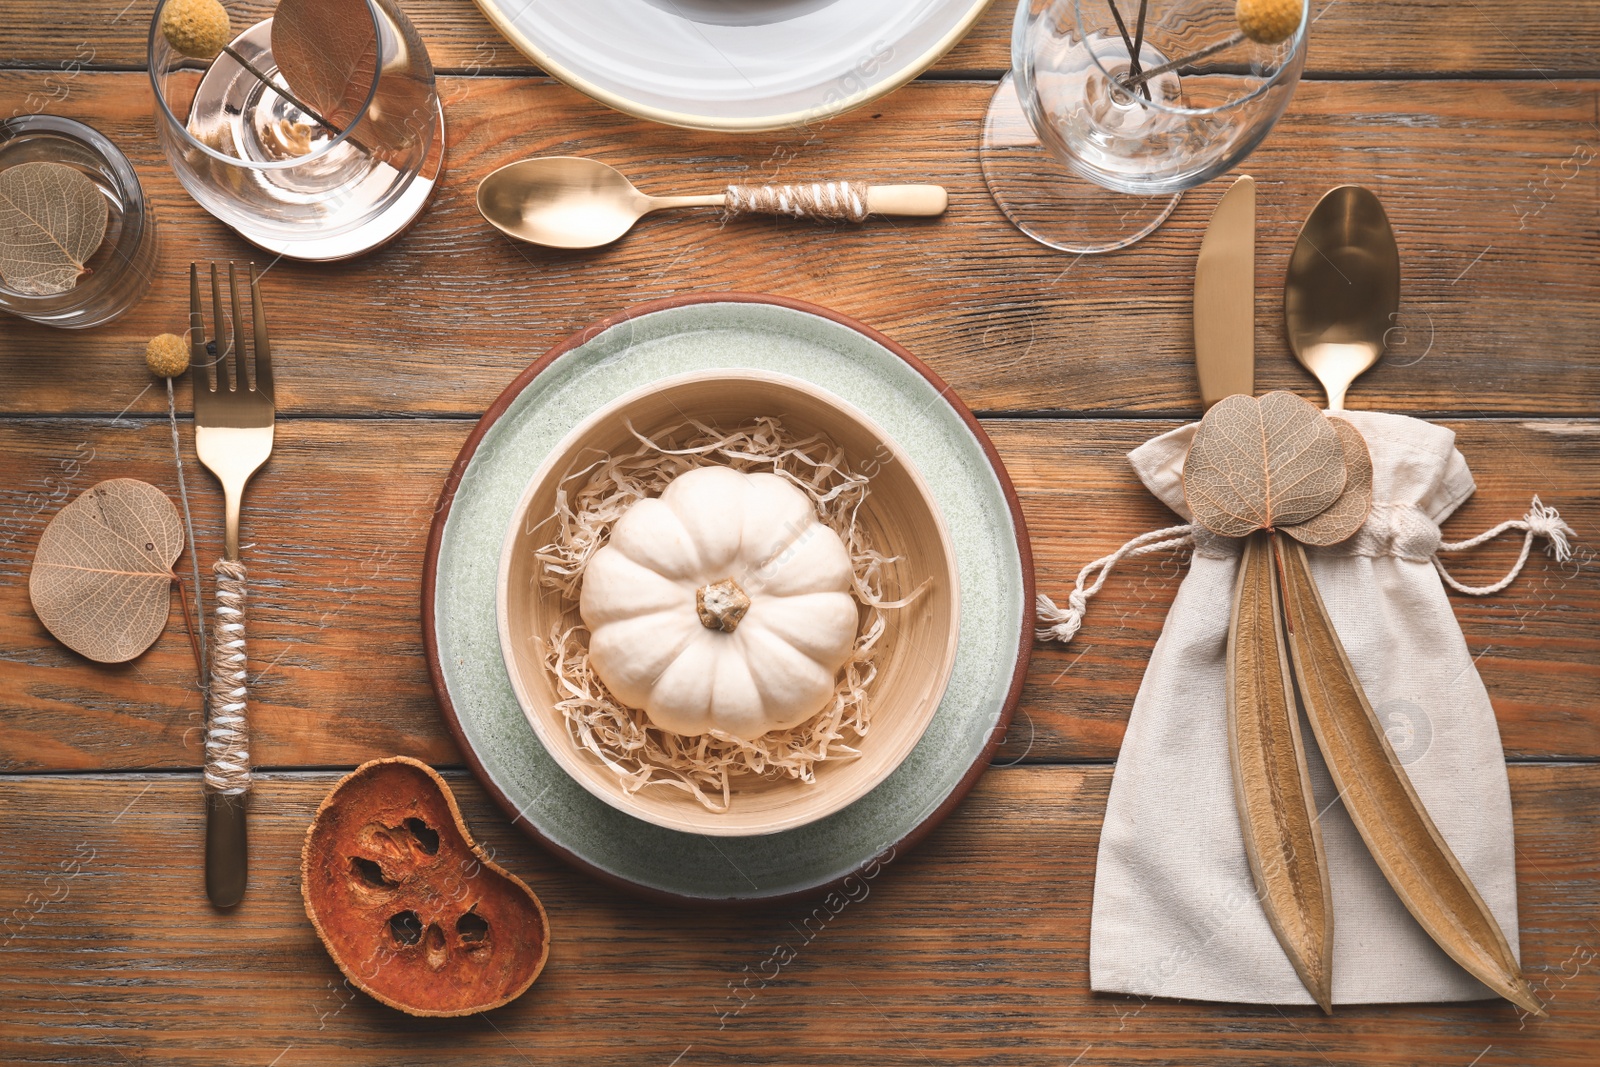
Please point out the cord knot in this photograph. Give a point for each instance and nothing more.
(1540, 521)
(1058, 625)
(1546, 522)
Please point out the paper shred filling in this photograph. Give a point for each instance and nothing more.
(592, 499)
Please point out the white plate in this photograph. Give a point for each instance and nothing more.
(734, 64)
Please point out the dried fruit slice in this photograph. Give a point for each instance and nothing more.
(1272, 787)
(408, 906)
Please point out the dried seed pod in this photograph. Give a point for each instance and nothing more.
(167, 355)
(197, 28)
(1380, 799)
(1272, 788)
(1268, 21)
(408, 906)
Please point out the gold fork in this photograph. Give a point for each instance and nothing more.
(233, 436)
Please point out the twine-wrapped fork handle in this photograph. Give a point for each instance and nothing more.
(227, 756)
(234, 415)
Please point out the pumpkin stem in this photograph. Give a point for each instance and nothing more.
(721, 605)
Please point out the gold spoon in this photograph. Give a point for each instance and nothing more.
(573, 202)
(1343, 289)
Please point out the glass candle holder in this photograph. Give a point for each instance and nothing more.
(120, 270)
(287, 177)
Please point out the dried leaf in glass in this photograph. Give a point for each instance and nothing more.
(332, 51)
(52, 220)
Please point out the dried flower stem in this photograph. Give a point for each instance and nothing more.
(1133, 44)
(281, 90)
(1138, 44)
(1122, 28)
(188, 628)
(1138, 79)
(284, 91)
(194, 560)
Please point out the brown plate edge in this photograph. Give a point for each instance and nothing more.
(452, 482)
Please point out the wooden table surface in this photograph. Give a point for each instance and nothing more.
(1476, 124)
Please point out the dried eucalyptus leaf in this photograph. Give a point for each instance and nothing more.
(1349, 513)
(52, 219)
(1380, 798)
(102, 574)
(1271, 785)
(1260, 464)
(329, 53)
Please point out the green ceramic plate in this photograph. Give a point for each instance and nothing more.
(673, 337)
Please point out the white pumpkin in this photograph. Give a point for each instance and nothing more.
(723, 604)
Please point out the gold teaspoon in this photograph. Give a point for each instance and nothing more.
(1343, 289)
(574, 202)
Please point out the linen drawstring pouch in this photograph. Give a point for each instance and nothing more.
(1175, 909)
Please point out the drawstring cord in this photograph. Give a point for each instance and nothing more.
(1055, 624)
(1540, 521)
(1058, 625)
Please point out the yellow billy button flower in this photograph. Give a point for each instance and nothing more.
(1268, 21)
(167, 355)
(197, 28)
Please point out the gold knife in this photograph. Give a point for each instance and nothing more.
(1225, 297)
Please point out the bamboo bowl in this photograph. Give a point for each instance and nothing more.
(916, 653)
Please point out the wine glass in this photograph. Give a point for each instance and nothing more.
(321, 155)
(1085, 153)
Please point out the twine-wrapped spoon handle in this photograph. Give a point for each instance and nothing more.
(836, 201)
(578, 202)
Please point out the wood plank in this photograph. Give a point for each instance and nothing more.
(1366, 37)
(971, 949)
(1370, 38)
(338, 519)
(1496, 318)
